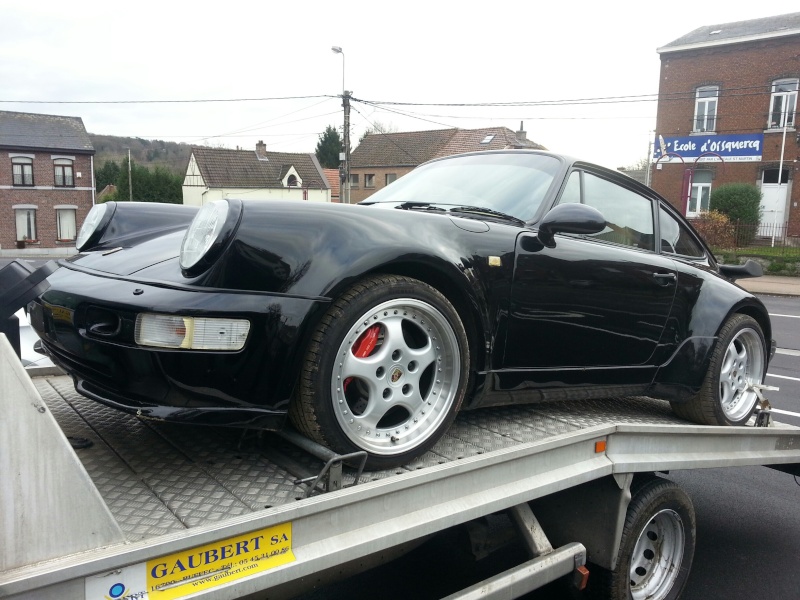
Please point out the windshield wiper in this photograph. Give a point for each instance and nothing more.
(420, 206)
(480, 210)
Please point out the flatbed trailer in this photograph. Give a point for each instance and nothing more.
(100, 504)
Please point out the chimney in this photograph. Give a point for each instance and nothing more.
(261, 150)
(522, 136)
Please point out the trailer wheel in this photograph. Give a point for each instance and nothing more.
(386, 371)
(657, 546)
(739, 360)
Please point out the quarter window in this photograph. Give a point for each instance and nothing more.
(676, 238)
(63, 173)
(705, 108)
(22, 169)
(65, 224)
(26, 223)
(783, 103)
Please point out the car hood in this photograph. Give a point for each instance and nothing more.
(133, 259)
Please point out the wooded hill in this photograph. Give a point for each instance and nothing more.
(172, 156)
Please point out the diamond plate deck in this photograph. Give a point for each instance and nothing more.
(161, 477)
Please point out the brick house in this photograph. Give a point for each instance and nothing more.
(218, 173)
(46, 180)
(727, 113)
(381, 158)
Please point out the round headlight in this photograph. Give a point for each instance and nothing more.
(204, 230)
(91, 225)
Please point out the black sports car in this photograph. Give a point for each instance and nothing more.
(478, 279)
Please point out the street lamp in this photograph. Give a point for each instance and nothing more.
(346, 157)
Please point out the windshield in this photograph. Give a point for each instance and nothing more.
(509, 183)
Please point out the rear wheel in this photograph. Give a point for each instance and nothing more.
(385, 372)
(738, 362)
(657, 546)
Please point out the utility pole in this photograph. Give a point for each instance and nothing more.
(130, 184)
(346, 162)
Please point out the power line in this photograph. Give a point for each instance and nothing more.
(198, 101)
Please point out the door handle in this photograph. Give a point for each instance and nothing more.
(665, 277)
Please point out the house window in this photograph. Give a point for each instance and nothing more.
(354, 180)
(63, 173)
(783, 103)
(369, 180)
(23, 171)
(701, 193)
(391, 178)
(65, 223)
(26, 222)
(292, 181)
(705, 108)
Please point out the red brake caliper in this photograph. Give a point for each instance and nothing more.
(364, 346)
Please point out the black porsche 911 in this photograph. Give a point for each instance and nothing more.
(478, 279)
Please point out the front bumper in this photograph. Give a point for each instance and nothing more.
(87, 322)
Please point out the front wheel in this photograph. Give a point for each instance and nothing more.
(386, 371)
(738, 362)
(657, 546)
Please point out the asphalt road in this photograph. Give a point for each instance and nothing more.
(748, 521)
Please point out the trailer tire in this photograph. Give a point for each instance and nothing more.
(656, 549)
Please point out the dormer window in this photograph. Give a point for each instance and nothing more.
(291, 181)
(290, 177)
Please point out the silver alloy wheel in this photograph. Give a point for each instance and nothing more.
(657, 556)
(399, 394)
(742, 366)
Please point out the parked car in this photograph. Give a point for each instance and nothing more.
(479, 279)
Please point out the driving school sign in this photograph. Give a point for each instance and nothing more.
(745, 147)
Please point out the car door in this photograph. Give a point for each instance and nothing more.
(592, 301)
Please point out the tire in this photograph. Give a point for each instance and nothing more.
(386, 371)
(739, 359)
(656, 549)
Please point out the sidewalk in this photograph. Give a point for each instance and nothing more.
(772, 284)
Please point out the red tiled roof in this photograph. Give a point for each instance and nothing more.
(333, 181)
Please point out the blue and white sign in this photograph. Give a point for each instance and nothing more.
(746, 147)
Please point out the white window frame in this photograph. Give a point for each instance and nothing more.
(786, 99)
(705, 108)
(701, 194)
(369, 180)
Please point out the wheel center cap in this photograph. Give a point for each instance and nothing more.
(395, 374)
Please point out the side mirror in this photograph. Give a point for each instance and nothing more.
(570, 218)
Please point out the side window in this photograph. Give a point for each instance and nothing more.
(572, 191)
(629, 216)
(676, 238)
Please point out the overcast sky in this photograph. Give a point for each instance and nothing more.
(108, 55)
